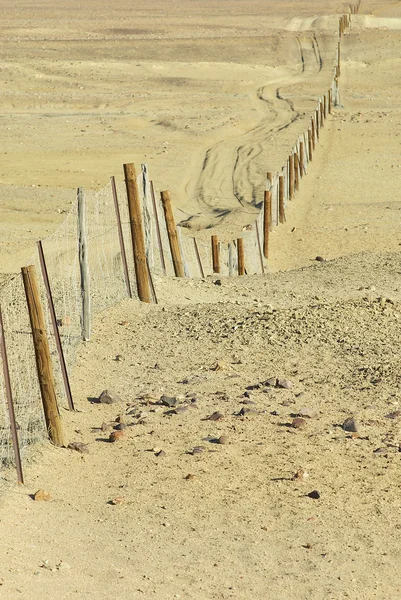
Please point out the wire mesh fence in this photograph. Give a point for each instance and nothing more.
(112, 278)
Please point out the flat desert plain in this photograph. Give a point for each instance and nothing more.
(221, 495)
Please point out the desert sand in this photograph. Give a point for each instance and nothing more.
(212, 95)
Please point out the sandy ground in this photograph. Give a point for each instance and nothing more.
(81, 95)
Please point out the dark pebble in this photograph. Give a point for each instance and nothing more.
(315, 495)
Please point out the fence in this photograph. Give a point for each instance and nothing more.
(113, 244)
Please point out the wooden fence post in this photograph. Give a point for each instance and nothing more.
(267, 215)
(281, 211)
(301, 159)
(270, 187)
(83, 252)
(291, 176)
(325, 106)
(10, 403)
(310, 143)
(313, 133)
(241, 258)
(56, 333)
(172, 234)
(329, 103)
(339, 60)
(317, 124)
(198, 258)
(42, 354)
(137, 234)
(296, 171)
(159, 237)
(321, 106)
(121, 236)
(215, 254)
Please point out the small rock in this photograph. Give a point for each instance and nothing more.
(117, 501)
(220, 366)
(285, 384)
(115, 436)
(42, 495)
(314, 494)
(79, 447)
(108, 397)
(120, 419)
(247, 412)
(300, 475)
(309, 413)
(105, 427)
(169, 401)
(320, 259)
(216, 416)
(299, 423)
(190, 477)
(223, 439)
(394, 415)
(350, 424)
(161, 454)
(271, 382)
(198, 450)
(217, 282)
(380, 451)
(180, 409)
(120, 426)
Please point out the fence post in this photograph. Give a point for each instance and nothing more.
(42, 354)
(301, 159)
(317, 124)
(198, 258)
(56, 332)
(296, 171)
(267, 215)
(215, 254)
(84, 266)
(231, 259)
(329, 107)
(172, 234)
(137, 233)
(159, 237)
(325, 106)
(10, 403)
(313, 133)
(121, 237)
(310, 143)
(339, 60)
(241, 258)
(281, 210)
(262, 267)
(291, 176)
(270, 189)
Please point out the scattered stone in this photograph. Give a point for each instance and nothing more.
(190, 477)
(314, 494)
(320, 259)
(285, 384)
(117, 501)
(161, 454)
(247, 401)
(115, 436)
(216, 416)
(169, 401)
(109, 397)
(198, 449)
(380, 451)
(42, 495)
(79, 447)
(180, 409)
(299, 423)
(120, 426)
(120, 419)
(119, 358)
(124, 323)
(351, 424)
(247, 412)
(309, 413)
(300, 475)
(271, 382)
(217, 282)
(393, 415)
(223, 439)
(220, 366)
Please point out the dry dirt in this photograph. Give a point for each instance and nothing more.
(188, 88)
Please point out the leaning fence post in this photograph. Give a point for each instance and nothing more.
(310, 144)
(198, 258)
(215, 254)
(296, 171)
(84, 265)
(56, 332)
(241, 258)
(301, 159)
(159, 237)
(137, 234)
(262, 267)
(42, 354)
(121, 237)
(172, 234)
(10, 403)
